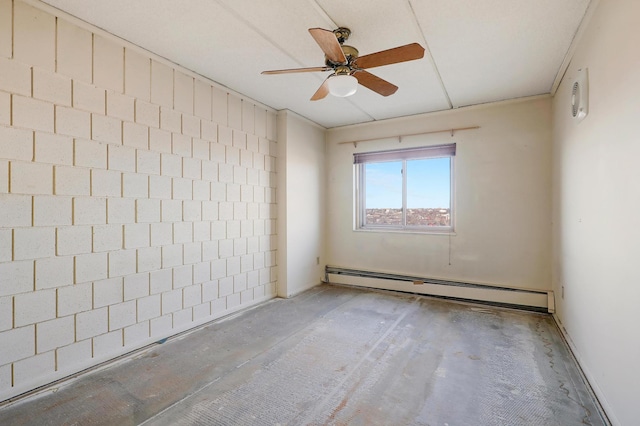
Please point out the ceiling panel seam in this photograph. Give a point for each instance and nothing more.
(256, 30)
(588, 13)
(323, 13)
(334, 25)
(429, 55)
(318, 9)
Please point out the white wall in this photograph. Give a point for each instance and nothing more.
(301, 203)
(137, 199)
(596, 200)
(502, 198)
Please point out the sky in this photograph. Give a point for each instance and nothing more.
(427, 184)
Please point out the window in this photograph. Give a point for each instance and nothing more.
(406, 189)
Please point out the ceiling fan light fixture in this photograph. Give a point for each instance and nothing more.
(342, 85)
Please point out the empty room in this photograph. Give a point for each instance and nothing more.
(309, 212)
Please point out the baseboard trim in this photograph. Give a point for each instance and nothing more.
(592, 385)
(530, 299)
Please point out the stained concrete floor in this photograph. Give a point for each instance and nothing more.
(336, 355)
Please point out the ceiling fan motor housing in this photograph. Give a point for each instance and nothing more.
(350, 52)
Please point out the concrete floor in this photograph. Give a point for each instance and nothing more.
(336, 355)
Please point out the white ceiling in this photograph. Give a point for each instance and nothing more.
(478, 51)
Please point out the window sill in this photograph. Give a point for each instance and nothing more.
(448, 232)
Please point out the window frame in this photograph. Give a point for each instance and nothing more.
(402, 155)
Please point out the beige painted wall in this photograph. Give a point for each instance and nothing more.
(596, 199)
(301, 203)
(137, 200)
(502, 198)
(81, 283)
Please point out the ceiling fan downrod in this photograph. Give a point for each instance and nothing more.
(342, 34)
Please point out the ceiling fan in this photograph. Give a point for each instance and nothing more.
(349, 68)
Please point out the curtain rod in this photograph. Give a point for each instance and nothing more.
(355, 143)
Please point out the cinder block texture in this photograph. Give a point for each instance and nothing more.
(148, 307)
(107, 292)
(107, 344)
(5, 108)
(54, 272)
(120, 106)
(32, 113)
(89, 211)
(136, 199)
(137, 75)
(33, 243)
(16, 77)
(136, 333)
(72, 181)
(161, 84)
(88, 97)
(219, 106)
(90, 154)
(37, 306)
(70, 356)
(30, 178)
(147, 114)
(106, 129)
(90, 267)
(49, 210)
(74, 55)
(6, 245)
(6, 28)
(136, 286)
(17, 344)
(16, 144)
(16, 277)
(74, 299)
(91, 323)
(183, 92)
(6, 313)
(108, 64)
(51, 87)
(33, 36)
(73, 122)
(202, 99)
(54, 149)
(55, 334)
(15, 210)
(25, 370)
(122, 315)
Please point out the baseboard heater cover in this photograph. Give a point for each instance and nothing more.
(535, 300)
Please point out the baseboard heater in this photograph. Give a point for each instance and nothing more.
(529, 299)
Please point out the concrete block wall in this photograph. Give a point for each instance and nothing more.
(137, 200)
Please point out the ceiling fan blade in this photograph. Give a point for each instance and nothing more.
(322, 91)
(408, 52)
(329, 44)
(378, 85)
(292, 70)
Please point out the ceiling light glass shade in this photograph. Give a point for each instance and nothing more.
(342, 85)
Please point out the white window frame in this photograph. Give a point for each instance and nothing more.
(403, 155)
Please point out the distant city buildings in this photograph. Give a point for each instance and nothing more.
(415, 217)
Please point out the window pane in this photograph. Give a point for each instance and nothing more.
(429, 192)
(383, 198)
